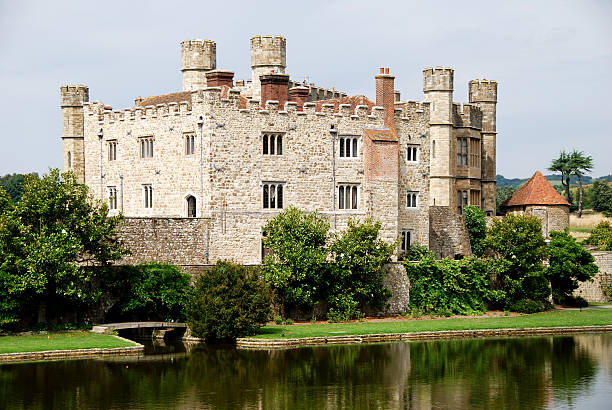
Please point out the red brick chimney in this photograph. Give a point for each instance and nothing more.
(299, 95)
(274, 86)
(219, 78)
(385, 95)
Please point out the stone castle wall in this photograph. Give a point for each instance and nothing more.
(594, 291)
(448, 236)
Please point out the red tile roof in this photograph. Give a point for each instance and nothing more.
(165, 99)
(536, 191)
(353, 100)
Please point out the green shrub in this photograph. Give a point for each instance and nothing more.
(601, 236)
(448, 287)
(528, 306)
(573, 301)
(344, 308)
(476, 225)
(278, 320)
(229, 301)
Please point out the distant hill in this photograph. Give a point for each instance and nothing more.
(554, 179)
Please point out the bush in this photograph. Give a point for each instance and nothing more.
(343, 308)
(476, 225)
(448, 287)
(229, 301)
(569, 263)
(297, 266)
(528, 306)
(573, 301)
(601, 236)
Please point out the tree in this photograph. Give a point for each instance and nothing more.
(580, 164)
(476, 225)
(569, 263)
(297, 264)
(564, 166)
(519, 249)
(601, 194)
(356, 279)
(47, 239)
(13, 184)
(601, 236)
(502, 194)
(229, 301)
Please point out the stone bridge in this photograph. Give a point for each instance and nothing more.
(112, 327)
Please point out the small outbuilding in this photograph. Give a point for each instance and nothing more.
(538, 198)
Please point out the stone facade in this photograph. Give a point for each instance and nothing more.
(594, 291)
(230, 157)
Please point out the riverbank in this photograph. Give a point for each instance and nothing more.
(55, 345)
(563, 321)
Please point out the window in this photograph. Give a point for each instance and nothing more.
(191, 206)
(462, 152)
(272, 195)
(69, 159)
(474, 153)
(348, 147)
(412, 153)
(272, 144)
(112, 150)
(112, 197)
(433, 149)
(475, 198)
(406, 240)
(148, 196)
(189, 144)
(462, 200)
(146, 147)
(412, 200)
(348, 197)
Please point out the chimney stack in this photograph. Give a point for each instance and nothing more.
(385, 95)
(219, 78)
(299, 95)
(274, 86)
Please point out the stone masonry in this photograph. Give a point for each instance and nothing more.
(197, 173)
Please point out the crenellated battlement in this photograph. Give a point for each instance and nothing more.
(73, 95)
(438, 79)
(198, 55)
(267, 50)
(483, 91)
(467, 115)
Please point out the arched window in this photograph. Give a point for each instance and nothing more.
(265, 144)
(271, 144)
(69, 159)
(191, 207)
(279, 145)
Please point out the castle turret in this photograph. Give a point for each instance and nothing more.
(197, 57)
(268, 55)
(438, 89)
(72, 98)
(483, 94)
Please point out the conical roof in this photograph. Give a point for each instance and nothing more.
(536, 191)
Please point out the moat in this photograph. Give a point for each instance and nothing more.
(534, 372)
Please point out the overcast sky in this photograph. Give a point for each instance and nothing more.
(552, 59)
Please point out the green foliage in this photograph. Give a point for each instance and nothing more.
(476, 225)
(519, 249)
(416, 253)
(502, 194)
(13, 184)
(297, 266)
(447, 287)
(601, 236)
(528, 306)
(343, 307)
(150, 291)
(46, 240)
(229, 301)
(563, 164)
(569, 263)
(601, 196)
(356, 278)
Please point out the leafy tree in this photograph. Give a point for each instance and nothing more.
(601, 193)
(46, 241)
(580, 164)
(502, 194)
(476, 225)
(601, 236)
(13, 184)
(229, 301)
(519, 249)
(356, 279)
(296, 268)
(564, 166)
(569, 263)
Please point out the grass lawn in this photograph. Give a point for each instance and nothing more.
(59, 341)
(546, 319)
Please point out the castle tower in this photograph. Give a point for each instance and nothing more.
(197, 57)
(483, 94)
(268, 54)
(438, 89)
(72, 98)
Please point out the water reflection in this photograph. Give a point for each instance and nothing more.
(475, 373)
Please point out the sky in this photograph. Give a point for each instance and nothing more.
(552, 60)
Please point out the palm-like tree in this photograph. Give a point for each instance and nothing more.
(563, 165)
(579, 165)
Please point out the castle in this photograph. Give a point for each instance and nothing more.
(199, 172)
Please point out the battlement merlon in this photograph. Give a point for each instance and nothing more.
(483, 91)
(269, 51)
(438, 79)
(73, 95)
